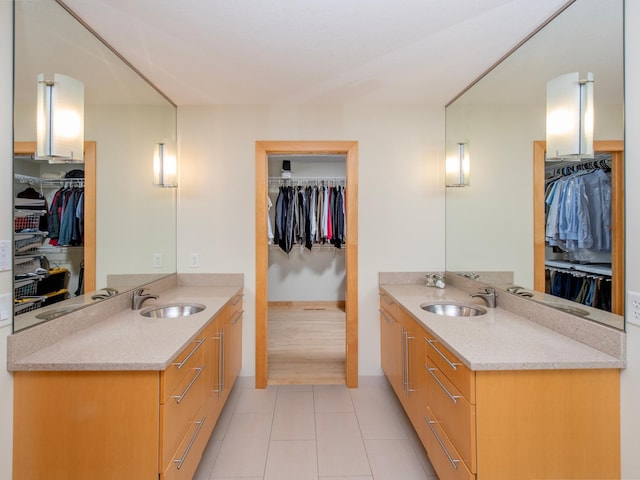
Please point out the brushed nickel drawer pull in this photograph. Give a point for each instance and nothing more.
(431, 344)
(193, 439)
(386, 317)
(183, 362)
(179, 398)
(386, 299)
(237, 317)
(454, 398)
(454, 461)
(237, 299)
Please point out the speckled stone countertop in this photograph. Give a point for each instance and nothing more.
(500, 339)
(126, 340)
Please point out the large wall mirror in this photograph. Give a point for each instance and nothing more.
(135, 221)
(490, 223)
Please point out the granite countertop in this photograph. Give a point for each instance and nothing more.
(129, 341)
(500, 339)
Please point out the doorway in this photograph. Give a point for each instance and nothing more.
(350, 150)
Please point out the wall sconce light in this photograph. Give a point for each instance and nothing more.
(570, 117)
(60, 120)
(457, 167)
(165, 165)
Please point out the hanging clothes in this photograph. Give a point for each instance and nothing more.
(590, 290)
(66, 217)
(308, 215)
(578, 209)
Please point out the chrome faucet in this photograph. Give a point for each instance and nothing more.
(107, 292)
(139, 297)
(520, 291)
(488, 294)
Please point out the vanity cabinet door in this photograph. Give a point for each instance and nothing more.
(233, 342)
(390, 345)
(443, 455)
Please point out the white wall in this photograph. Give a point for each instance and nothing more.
(400, 202)
(6, 227)
(630, 381)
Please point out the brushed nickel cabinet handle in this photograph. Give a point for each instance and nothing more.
(183, 362)
(386, 317)
(387, 299)
(454, 398)
(180, 461)
(454, 461)
(432, 345)
(237, 317)
(237, 299)
(179, 398)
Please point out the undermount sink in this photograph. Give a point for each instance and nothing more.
(453, 309)
(173, 310)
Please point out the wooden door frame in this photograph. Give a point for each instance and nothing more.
(616, 148)
(89, 254)
(263, 150)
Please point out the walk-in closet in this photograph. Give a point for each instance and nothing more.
(581, 231)
(306, 269)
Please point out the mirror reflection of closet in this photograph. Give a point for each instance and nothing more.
(53, 263)
(306, 272)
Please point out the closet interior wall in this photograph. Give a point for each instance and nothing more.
(306, 286)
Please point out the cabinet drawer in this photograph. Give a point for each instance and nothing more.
(185, 461)
(184, 363)
(445, 459)
(178, 413)
(463, 378)
(456, 416)
(235, 305)
(388, 304)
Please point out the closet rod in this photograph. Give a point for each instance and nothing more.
(299, 181)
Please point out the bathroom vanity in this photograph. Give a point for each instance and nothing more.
(127, 397)
(498, 396)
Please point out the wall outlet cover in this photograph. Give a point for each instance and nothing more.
(633, 308)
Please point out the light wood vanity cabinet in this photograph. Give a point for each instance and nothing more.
(508, 424)
(127, 424)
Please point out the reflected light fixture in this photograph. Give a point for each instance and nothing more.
(165, 165)
(457, 167)
(570, 117)
(60, 119)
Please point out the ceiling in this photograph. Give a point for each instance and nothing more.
(206, 52)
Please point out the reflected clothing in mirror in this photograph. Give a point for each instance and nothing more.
(590, 290)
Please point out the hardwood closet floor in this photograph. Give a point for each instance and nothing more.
(306, 343)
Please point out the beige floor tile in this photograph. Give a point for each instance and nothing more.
(332, 398)
(394, 459)
(253, 400)
(245, 446)
(340, 446)
(208, 459)
(379, 413)
(294, 416)
(292, 460)
(323, 477)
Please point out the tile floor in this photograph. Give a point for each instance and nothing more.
(315, 432)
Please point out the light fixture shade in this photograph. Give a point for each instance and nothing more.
(60, 119)
(570, 117)
(165, 165)
(457, 167)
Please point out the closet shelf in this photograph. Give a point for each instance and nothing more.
(48, 182)
(597, 269)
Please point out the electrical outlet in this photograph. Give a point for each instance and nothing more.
(157, 260)
(633, 308)
(194, 260)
